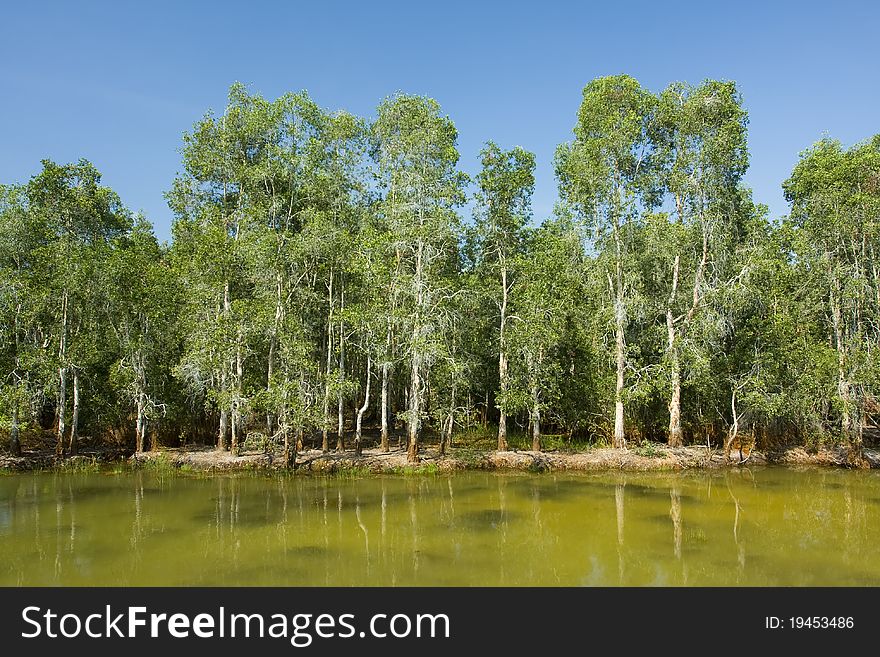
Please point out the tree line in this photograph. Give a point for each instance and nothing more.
(329, 273)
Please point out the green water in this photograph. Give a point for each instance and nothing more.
(765, 526)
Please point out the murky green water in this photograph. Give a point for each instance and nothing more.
(766, 526)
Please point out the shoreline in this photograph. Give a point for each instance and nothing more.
(653, 457)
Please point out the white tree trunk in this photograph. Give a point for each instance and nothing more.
(362, 410)
(74, 420)
(674, 437)
(502, 364)
(62, 377)
(385, 374)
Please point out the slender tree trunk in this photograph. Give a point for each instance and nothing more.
(415, 396)
(734, 427)
(224, 413)
(674, 437)
(385, 373)
(844, 387)
(502, 365)
(140, 424)
(620, 347)
(340, 436)
(536, 421)
(325, 426)
(74, 420)
(14, 442)
(448, 423)
(415, 412)
(273, 342)
(62, 378)
(236, 407)
(270, 417)
(362, 410)
(221, 435)
(617, 291)
(62, 402)
(233, 425)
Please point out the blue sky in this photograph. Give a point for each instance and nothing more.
(118, 83)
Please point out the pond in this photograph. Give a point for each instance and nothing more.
(760, 526)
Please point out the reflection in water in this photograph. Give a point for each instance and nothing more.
(764, 527)
(740, 544)
(618, 504)
(675, 514)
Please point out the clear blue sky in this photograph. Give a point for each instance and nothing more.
(119, 82)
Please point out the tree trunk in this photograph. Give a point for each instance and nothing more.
(14, 442)
(619, 435)
(415, 412)
(62, 402)
(74, 420)
(674, 437)
(502, 418)
(62, 378)
(385, 372)
(235, 448)
(221, 435)
(270, 418)
(234, 429)
(617, 293)
(536, 426)
(340, 436)
(273, 345)
(362, 410)
(325, 425)
(675, 432)
(502, 365)
(140, 424)
(734, 427)
(415, 396)
(850, 420)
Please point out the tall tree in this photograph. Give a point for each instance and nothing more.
(835, 198)
(700, 136)
(416, 155)
(607, 175)
(506, 182)
(546, 292)
(75, 218)
(141, 305)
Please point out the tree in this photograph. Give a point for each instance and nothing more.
(835, 198)
(506, 182)
(19, 339)
(607, 175)
(416, 156)
(546, 293)
(700, 137)
(141, 307)
(74, 219)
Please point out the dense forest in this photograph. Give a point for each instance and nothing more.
(339, 282)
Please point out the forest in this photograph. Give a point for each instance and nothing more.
(340, 282)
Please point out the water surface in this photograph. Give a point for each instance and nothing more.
(764, 526)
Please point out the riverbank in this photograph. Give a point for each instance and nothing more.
(650, 457)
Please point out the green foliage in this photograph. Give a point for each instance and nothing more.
(315, 252)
